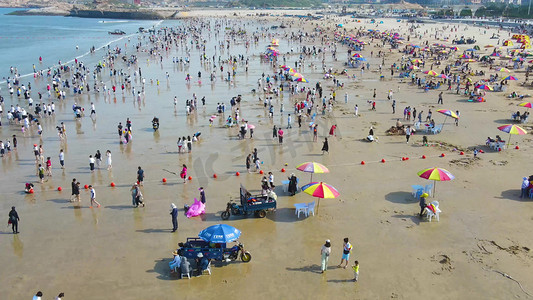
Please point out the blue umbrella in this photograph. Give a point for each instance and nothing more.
(471, 49)
(360, 59)
(220, 233)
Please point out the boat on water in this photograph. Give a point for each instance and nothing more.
(117, 32)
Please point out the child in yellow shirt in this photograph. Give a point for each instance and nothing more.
(355, 269)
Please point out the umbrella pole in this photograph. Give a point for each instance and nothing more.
(434, 187)
(318, 205)
(311, 177)
(443, 123)
(509, 141)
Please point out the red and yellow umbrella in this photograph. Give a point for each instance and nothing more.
(431, 72)
(436, 174)
(320, 190)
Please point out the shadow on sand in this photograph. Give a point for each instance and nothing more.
(311, 268)
(155, 230)
(414, 218)
(401, 197)
(514, 195)
(285, 215)
(162, 270)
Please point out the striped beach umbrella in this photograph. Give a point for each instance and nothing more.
(312, 167)
(510, 78)
(512, 129)
(431, 72)
(484, 87)
(320, 190)
(525, 104)
(436, 174)
(447, 113)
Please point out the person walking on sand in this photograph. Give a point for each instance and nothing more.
(14, 220)
(325, 146)
(183, 173)
(140, 176)
(325, 252)
(440, 98)
(393, 106)
(109, 160)
(355, 269)
(407, 133)
(315, 132)
(347, 248)
(280, 136)
(202, 195)
(356, 108)
(75, 191)
(93, 197)
(40, 171)
(174, 214)
(60, 296)
(62, 158)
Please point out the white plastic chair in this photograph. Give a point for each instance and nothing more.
(311, 208)
(430, 214)
(208, 270)
(417, 125)
(185, 274)
(301, 208)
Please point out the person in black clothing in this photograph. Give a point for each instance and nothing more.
(325, 147)
(293, 181)
(14, 219)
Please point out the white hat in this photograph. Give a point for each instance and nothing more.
(200, 255)
(328, 241)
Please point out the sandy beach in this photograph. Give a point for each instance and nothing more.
(117, 251)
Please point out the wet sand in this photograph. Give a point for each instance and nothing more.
(117, 251)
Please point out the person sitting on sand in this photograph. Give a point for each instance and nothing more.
(399, 124)
(29, 188)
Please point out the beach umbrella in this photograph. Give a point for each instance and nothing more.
(510, 78)
(442, 76)
(465, 56)
(454, 48)
(525, 104)
(416, 60)
(357, 55)
(320, 190)
(512, 129)
(489, 46)
(471, 49)
(496, 54)
(484, 87)
(504, 70)
(447, 113)
(413, 67)
(360, 58)
(436, 174)
(220, 233)
(431, 72)
(508, 43)
(301, 79)
(518, 59)
(312, 167)
(469, 60)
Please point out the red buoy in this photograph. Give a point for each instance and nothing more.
(164, 180)
(283, 170)
(215, 175)
(59, 189)
(237, 174)
(86, 186)
(261, 172)
(362, 162)
(190, 177)
(423, 157)
(112, 184)
(383, 160)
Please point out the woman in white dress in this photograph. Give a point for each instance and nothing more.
(108, 154)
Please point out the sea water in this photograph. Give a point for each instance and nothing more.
(24, 39)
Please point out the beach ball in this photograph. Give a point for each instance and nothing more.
(190, 177)
(86, 186)
(112, 184)
(237, 174)
(261, 172)
(59, 189)
(283, 170)
(215, 175)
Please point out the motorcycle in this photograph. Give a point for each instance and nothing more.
(234, 253)
(231, 209)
